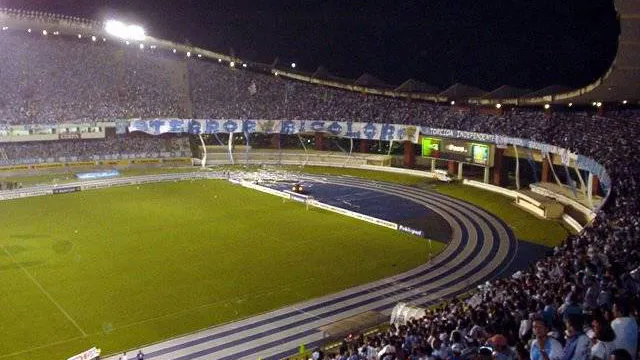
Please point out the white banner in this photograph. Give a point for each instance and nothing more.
(87, 355)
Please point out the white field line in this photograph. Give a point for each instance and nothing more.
(62, 310)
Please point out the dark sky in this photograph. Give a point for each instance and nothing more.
(485, 43)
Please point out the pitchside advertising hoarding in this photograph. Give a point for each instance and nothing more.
(458, 150)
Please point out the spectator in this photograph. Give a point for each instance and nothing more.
(625, 328)
(544, 347)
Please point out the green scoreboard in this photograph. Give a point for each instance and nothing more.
(458, 150)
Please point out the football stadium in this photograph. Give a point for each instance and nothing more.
(165, 201)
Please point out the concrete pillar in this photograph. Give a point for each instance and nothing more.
(364, 145)
(595, 185)
(409, 159)
(496, 178)
(275, 141)
(319, 141)
(433, 165)
(460, 171)
(451, 167)
(498, 169)
(544, 177)
(486, 175)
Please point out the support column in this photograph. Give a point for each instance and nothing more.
(275, 141)
(409, 159)
(544, 177)
(486, 175)
(319, 141)
(460, 171)
(498, 168)
(451, 167)
(364, 145)
(595, 185)
(433, 165)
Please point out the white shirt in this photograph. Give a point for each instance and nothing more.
(603, 349)
(626, 329)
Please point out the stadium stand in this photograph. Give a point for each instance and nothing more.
(596, 273)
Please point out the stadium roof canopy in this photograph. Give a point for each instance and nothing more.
(549, 90)
(506, 91)
(370, 81)
(412, 85)
(459, 91)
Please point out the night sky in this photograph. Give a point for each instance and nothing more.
(484, 43)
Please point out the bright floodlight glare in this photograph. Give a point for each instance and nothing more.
(570, 104)
(28, 30)
(293, 65)
(498, 106)
(4, 28)
(79, 36)
(123, 31)
(244, 65)
(547, 106)
(141, 46)
(219, 60)
(44, 32)
(624, 102)
(598, 104)
(453, 102)
(93, 38)
(232, 64)
(188, 53)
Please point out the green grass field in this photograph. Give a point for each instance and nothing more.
(121, 267)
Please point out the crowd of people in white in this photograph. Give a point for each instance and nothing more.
(581, 303)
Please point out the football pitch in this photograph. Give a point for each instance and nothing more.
(121, 267)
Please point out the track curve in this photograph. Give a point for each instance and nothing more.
(481, 248)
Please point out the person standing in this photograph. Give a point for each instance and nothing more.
(543, 346)
(625, 327)
(140, 355)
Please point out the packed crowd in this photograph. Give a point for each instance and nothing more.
(581, 303)
(47, 79)
(120, 147)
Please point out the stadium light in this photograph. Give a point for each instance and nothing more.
(593, 103)
(79, 36)
(293, 65)
(5, 28)
(188, 53)
(174, 51)
(141, 46)
(44, 32)
(124, 31)
(232, 64)
(29, 31)
(598, 104)
(94, 39)
(624, 102)
(570, 104)
(498, 106)
(547, 106)
(127, 42)
(219, 60)
(244, 65)
(453, 102)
